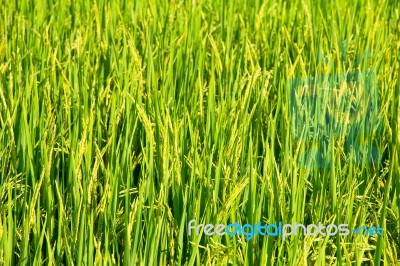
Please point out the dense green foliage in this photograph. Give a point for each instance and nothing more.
(121, 121)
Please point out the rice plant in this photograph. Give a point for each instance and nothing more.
(122, 121)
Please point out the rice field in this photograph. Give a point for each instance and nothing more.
(122, 121)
